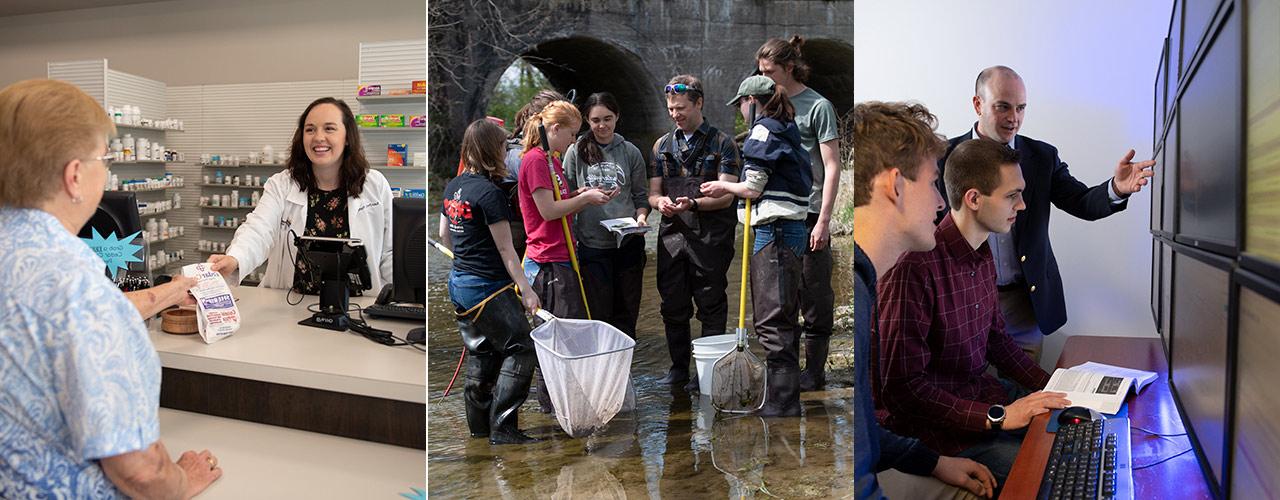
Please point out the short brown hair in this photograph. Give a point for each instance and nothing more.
(694, 84)
(783, 52)
(483, 149)
(891, 135)
(44, 124)
(354, 168)
(975, 164)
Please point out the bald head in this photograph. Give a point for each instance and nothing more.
(986, 75)
(999, 99)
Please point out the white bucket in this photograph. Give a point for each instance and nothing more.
(708, 350)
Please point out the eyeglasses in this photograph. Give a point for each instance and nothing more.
(680, 88)
(106, 159)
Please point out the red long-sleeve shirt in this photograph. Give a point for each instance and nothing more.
(940, 328)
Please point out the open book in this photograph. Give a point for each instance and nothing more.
(1098, 386)
(624, 226)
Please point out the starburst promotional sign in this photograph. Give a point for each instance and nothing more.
(117, 253)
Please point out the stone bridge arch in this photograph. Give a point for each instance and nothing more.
(627, 47)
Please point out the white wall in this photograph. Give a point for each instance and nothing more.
(194, 42)
(1089, 68)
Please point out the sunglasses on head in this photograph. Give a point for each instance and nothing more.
(680, 88)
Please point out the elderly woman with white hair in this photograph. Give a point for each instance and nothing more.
(79, 378)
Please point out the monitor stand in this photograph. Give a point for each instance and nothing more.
(333, 307)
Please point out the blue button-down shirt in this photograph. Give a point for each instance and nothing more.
(79, 378)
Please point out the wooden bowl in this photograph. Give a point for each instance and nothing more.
(179, 322)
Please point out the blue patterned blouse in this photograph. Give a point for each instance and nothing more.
(79, 378)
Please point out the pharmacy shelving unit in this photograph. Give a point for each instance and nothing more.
(393, 65)
(211, 189)
(144, 169)
(115, 89)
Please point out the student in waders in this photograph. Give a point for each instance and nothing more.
(782, 61)
(613, 269)
(545, 199)
(695, 238)
(482, 286)
(776, 176)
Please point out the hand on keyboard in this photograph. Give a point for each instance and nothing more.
(1020, 412)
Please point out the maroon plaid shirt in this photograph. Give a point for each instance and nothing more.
(940, 327)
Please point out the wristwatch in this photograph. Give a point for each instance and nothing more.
(695, 204)
(995, 415)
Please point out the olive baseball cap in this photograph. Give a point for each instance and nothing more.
(753, 85)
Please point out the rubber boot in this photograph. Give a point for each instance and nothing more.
(783, 397)
(692, 386)
(481, 373)
(510, 393)
(681, 350)
(814, 376)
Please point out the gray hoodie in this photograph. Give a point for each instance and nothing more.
(622, 165)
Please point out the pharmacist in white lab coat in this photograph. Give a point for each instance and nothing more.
(329, 190)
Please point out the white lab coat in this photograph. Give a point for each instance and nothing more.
(264, 235)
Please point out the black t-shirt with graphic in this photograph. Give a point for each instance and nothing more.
(326, 216)
(471, 203)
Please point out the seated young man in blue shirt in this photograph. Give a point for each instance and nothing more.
(895, 165)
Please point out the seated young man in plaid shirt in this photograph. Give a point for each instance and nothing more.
(941, 326)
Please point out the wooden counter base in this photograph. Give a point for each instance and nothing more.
(379, 420)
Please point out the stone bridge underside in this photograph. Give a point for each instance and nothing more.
(630, 48)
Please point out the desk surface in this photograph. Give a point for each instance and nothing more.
(1153, 409)
(265, 461)
(271, 347)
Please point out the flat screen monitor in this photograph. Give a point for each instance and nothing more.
(1160, 108)
(1176, 67)
(117, 215)
(1199, 364)
(1169, 185)
(409, 250)
(1211, 145)
(1166, 297)
(1195, 21)
(1157, 193)
(1156, 269)
(1256, 454)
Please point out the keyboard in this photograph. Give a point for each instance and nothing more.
(1089, 460)
(417, 313)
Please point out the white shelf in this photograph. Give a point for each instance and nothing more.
(148, 190)
(231, 186)
(141, 162)
(386, 99)
(386, 167)
(229, 208)
(163, 240)
(146, 127)
(153, 214)
(245, 165)
(232, 228)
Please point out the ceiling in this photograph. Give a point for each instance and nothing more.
(24, 7)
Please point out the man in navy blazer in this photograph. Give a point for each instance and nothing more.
(1031, 296)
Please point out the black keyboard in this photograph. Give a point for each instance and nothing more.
(418, 313)
(1089, 460)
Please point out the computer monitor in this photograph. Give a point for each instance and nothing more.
(1256, 450)
(117, 215)
(409, 250)
(1169, 184)
(1200, 364)
(1166, 297)
(1156, 269)
(1211, 144)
